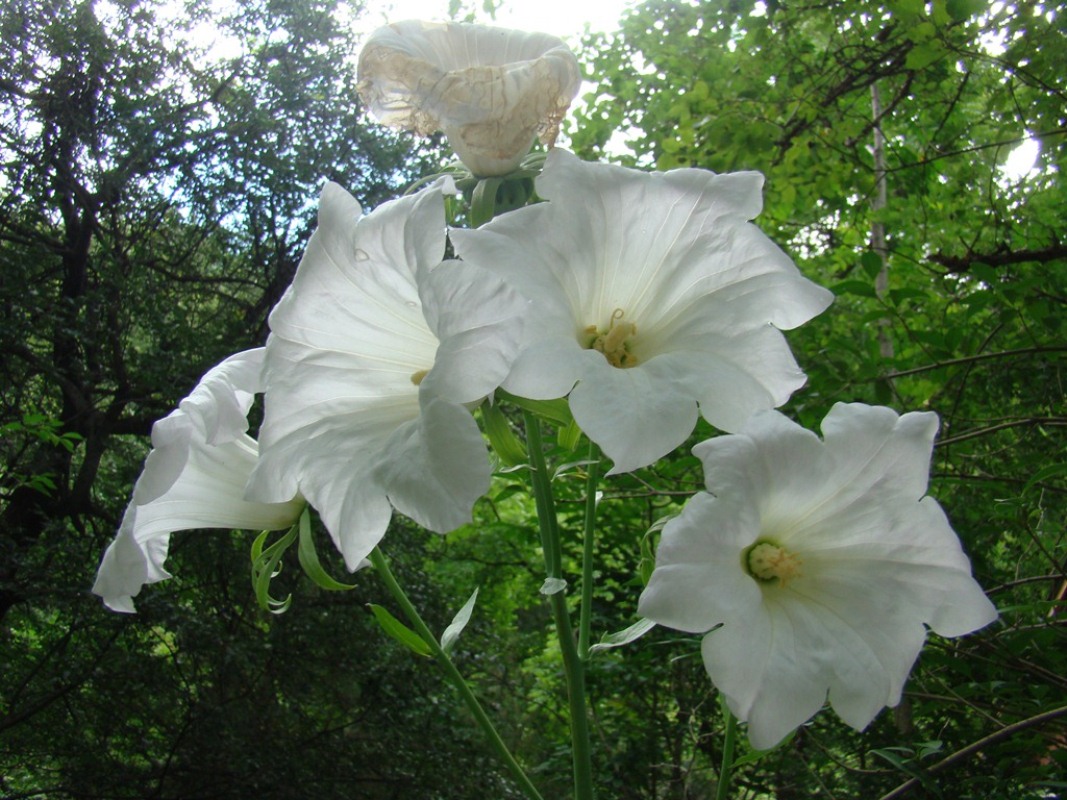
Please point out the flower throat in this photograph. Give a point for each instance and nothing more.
(616, 342)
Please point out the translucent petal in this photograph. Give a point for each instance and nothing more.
(375, 343)
(190, 483)
(491, 90)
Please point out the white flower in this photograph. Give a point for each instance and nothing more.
(821, 560)
(655, 295)
(375, 351)
(194, 477)
(491, 90)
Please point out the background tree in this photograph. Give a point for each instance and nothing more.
(158, 191)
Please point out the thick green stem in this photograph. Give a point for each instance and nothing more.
(573, 668)
(588, 547)
(381, 566)
(722, 788)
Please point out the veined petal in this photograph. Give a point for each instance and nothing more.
(822, 562)
(663, 278)
(420, 473)
(215, 412)
(373, 352)
(191, 482)
(491, 90)
(479, 321)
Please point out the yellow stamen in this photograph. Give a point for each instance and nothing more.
(770, 563)
(616, 342)
(416, 377)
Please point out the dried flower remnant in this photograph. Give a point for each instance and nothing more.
(492, 91)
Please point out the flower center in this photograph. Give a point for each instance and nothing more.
(616, 342)
(769, 563)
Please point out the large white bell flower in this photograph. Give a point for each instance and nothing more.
(194, 477)
(375, 352)
(823, 563)
(490, 90)
(653, 296)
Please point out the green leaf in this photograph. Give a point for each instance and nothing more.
(625, 636)
(459, 622)
(854, 287)
(960, 10)
(756, 755)
(399, 631)
(309, 559)
(1045, 473)
(923, 55)
(871, 263)
(569, 436)
(502, 439)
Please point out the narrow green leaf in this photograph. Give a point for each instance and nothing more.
(459, 622)
(619, 638)
(399, 631)
(1043, 473)
(309, 559)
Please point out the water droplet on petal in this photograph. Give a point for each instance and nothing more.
(361, 255)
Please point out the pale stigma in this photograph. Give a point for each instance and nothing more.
(616, 343)
(769, 563)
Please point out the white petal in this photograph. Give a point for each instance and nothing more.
(376, 343)
(206, 494)
(697, 584)
(128, 566)
(479, 321)
(635, 419)
(755, 662)
(672, 254)
(875, 563)
(215, 412)
(437, 467)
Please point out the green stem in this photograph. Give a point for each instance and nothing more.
(588, 543)
(381, 566)
(722, 788)
(573, 668)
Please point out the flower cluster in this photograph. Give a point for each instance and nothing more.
(646, 300)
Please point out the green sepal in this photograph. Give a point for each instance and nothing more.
(555, 411)
(459, 622)
(266, 565)
(483, 201)
(647, 563)
(309, 559)
(569, 436)
(399, 631)
(501, 438)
